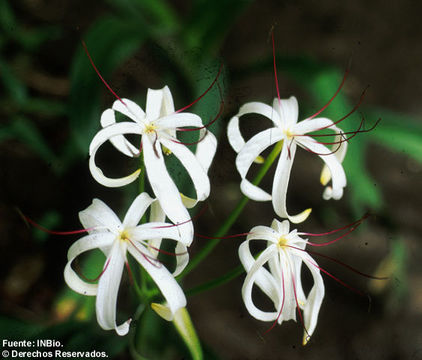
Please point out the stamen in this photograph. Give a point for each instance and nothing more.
(78, 269)
(200, 213)
(282, 305)
(166, 252)
(53, 232)
(275, 69)
(333, 97)
(297, 306)
(98, 73)
(152, 260)
(192, 143)
(215, 118)
(129, 271)
(204, 93)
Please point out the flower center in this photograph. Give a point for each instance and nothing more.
(150, 128)
(123, 236)
(288, 133)
(282, 242)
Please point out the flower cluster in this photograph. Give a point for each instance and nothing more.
(276, 270)
(157, 126)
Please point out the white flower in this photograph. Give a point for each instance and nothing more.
(284, 115)
(157, 126)
(115, 239)
(282, 282)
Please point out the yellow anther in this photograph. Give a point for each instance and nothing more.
(259, 159)
(166, 150)
(150, 128)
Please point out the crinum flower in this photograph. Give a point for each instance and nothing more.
(116, 239)
(284, 115)
(157, 126)
(281, 281)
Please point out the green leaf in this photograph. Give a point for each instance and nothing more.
(398, 132)
(210, 21)
(186, 330)
(25, 131)
(16, 89)
(110, 41)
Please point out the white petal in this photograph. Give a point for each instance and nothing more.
(154, 230)
(118, 141)
(234, 135)
(108, 289)
(254, 274)
(154, 104)
(112, 131)
(282, 228)
(137, 210)
(182, 258)
(262, 109)
(165, 190)
(178, 121)
(156, 215)
(130, 109)
(84, 244)
(288, 110)
(206, 148)
(195, 170)
(248, 154)
(280, 184)
(99, 215)
(330, 159)
(307, 126)
(99, 139)
(164, 280)
(314, 300)
(168, 104)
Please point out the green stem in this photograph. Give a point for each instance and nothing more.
(227, 277)
(225, 227)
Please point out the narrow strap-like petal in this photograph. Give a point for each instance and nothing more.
(195, 170)
(168, 103)
(288, 110)
(330, 159)
(314, 300)
(154, 230)
(234, 135)
(84, 244)
(108, 289)
(252, 276)
(118, 141)
(156, 215)
(154, 104)
(168, 286)
(165, 190)
(182, 258)
(99, 215)
(261, 109)
(137, 210)
(178, 121)
(281, 182)
(206, 148)
(248, 154)
(129, 108)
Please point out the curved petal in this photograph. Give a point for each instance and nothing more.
(179, 120)
(84, 244)
(281, 227)
(206, 148)
(288, 110)
(108, 289)
(281, 182)
(182, 258)
(168, 286)
(99, 139)
(99, 215)
(195, 170)
(154, 230)
(261, 109)
(332, 162)
(314, 300)
(168, 104)
(131, 109)
(165, 190)
(316, 124)
(156, 215)
(112, 131)
(154, 104)
(255, 275)
(234, 135)
(118, 141)
(248, 154)
(137, 210)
